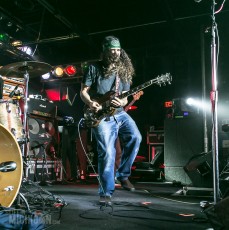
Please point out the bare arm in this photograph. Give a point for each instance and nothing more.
(87, 99)
(116, 102)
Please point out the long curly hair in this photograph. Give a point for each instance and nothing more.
(122, 66)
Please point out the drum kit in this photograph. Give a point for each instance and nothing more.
(13, 130)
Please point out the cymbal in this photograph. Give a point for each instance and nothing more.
(18, 69)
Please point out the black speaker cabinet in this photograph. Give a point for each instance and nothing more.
(200, 171)
(218, 215)
(43, 136)
(183, 143)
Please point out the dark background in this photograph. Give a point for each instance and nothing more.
(161, 36)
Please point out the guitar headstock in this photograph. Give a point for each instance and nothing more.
(164, 78)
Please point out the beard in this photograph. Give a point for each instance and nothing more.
(111, 58)
(114, 58)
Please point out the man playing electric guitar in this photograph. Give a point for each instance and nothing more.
(111, 78)
(113, 73)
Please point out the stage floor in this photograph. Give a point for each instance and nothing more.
(153, 205)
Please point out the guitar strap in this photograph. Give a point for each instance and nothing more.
(116, 85)
(116, 81)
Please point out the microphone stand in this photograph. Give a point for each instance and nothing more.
(214, 103)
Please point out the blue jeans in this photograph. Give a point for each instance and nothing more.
(106, 133)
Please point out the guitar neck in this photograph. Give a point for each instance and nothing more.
(136, 89)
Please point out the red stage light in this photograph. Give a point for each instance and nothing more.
(70, 70)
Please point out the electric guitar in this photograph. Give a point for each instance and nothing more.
(92, 118)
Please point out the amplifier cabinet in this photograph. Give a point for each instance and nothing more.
(40, 107)
(43, 136)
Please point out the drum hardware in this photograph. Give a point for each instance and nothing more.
(22, 141)
(27, 70)
(44, 165)
(8, 166)
(10, 149)
(15, 191)
(13, 92)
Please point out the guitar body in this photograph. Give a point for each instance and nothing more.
(92, 119)
(10, 182)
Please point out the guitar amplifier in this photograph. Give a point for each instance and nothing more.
(41, 107)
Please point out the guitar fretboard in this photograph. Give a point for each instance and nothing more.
(158, 80)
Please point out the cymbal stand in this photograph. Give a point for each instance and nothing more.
(44, 163)
(25, 130)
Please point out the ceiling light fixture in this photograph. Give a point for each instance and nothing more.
(58, 71)
(46, 76)
(26, 49)
(16, 43)
(70, 70)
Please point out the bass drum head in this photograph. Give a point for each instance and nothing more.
(10, 182)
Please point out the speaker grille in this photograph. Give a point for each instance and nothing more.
(43, 135)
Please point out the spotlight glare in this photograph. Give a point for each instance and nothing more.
(190, 101)
(197, 103)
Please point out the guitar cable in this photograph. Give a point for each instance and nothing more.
(89, 161)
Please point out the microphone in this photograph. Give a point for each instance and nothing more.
(13, 91)
(8, 166)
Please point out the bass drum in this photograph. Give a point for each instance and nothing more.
(10, 182)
